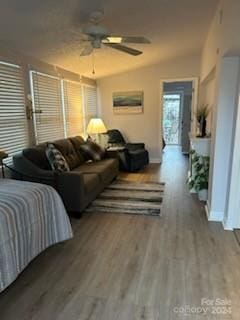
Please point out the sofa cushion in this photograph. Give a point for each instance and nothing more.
(105, 168)
(91, 182)
(93, 150)
(56, 159)
(77, 142)
(37, 156)
(66, 148)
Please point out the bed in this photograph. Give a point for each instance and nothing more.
(32, 218)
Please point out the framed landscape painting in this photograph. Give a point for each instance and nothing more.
(128, 102)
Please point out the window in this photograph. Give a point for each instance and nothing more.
(90, 103)
(47, 107)
(73, 107)
(13, 121)
(61, 108)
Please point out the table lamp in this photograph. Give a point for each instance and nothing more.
(96, 127)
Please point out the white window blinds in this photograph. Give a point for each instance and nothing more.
(47, 107)
(13, 122)
(90, 103)
(73, 107)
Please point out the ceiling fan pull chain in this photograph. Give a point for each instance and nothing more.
(93, 63)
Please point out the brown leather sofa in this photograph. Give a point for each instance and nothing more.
(80, 185)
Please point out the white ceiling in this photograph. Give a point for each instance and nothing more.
(50, 30)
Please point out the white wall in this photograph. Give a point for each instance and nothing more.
(222, 40)
(223, 37)
(223, 139)
(208, 97)
(232, 216)
(144, 127)
(221, 52)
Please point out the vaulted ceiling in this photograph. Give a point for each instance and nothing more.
(51, 30)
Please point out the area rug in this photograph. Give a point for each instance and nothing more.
(130, 198)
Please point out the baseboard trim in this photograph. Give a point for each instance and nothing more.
(207, 210)
(214, 216)
(226, 226)
(155, 160)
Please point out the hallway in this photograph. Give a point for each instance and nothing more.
(122, 267)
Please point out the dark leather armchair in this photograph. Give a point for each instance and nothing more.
(132, 156)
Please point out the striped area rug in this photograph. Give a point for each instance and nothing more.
(130, 198)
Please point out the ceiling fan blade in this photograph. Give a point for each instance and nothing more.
(118, 40)
(86, 51)
(125, 49)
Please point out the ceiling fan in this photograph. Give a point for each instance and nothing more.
(97, 35)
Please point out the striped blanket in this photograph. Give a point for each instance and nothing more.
(32, 218)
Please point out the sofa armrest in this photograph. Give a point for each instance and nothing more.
(70, 186)
(24, 169)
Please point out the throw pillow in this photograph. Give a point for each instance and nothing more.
(56, 159)
(93, 150)
(77, 142)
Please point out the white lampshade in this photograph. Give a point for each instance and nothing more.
(96, 126)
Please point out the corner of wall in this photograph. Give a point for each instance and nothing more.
(213, 216)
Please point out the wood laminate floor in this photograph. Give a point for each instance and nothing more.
(237, 235)
(122, 267)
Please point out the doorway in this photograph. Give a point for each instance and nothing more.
(171, 117)
(179, 101)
